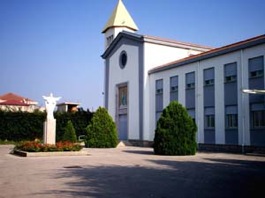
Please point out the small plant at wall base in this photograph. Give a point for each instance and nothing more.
(101, 132)
(69, 132)
(175, 132)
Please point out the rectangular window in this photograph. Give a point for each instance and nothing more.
(230, 72)
(173, 88)
(191, 113)
(257, 115)
(109, 39)
(208, 76)
(258, 119)
(256, 67)
(123, 97)
(173, 83)
(210, 121)
(255, 74)
(190, 80)
(231, 121)
(209, 118)
(231, 117)
(159, 98)
(159, 86)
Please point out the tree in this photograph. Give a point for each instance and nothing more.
(69, 132)
(175, 132)
(101, 132)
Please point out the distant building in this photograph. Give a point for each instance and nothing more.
(14, 102)
(68, 107)
(144, 73)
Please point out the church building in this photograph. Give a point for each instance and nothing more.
(144, 73)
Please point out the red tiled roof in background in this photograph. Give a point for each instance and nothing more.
(12, 96)
(14, 103)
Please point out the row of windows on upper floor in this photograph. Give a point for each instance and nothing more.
(256, 70)
(257, 117)
(257, 120)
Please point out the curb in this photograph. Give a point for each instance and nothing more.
(49, 154)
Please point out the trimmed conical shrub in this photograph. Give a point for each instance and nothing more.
(69, 132)
(102, 131)
(175, 132)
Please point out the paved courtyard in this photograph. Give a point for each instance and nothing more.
(131, 172)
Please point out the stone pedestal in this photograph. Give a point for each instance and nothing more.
(49, 136)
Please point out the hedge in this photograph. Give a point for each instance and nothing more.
(17, 126)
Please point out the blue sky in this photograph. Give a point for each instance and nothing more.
(56, 45)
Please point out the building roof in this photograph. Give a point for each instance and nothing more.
(68, 103)
(153, 39)
(212, 53)
(13, 103)
(11, 98)
(120, 18)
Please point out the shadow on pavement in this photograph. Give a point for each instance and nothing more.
(141, 152)
(165, 178)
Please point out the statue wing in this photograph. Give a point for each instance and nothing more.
(57, 98)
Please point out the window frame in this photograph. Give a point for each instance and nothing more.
(208, 81)
(231, 121)
(192, 84)
(261, 119)
(210, 121)
(255, 72)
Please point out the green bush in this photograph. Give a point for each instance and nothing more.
(102, 132)
(69, 133)
(175, 132)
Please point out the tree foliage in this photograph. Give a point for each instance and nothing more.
(102, 132)
(175, 132)
(69, 133)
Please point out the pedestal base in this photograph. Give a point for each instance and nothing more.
(49, 136)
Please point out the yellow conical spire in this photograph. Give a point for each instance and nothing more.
(120, 18)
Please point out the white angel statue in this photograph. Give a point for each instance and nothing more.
(50, 103)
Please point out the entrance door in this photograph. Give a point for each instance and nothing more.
(122, 111)
(123, 125)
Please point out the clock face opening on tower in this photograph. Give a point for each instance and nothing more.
(123, 59)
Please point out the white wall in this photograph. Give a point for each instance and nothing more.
(127, 75)
(165, 75)
(114, 32)
(155, 55)
(243, 100)
(241, 57)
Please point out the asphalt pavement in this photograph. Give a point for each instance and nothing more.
(129, 172)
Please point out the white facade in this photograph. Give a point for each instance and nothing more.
(241, 57)
(135, 63)
(143, 53)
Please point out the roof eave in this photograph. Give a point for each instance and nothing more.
(212, 53)
(124, 34)
(115, 26)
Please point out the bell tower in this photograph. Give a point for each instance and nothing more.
(119, 21)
